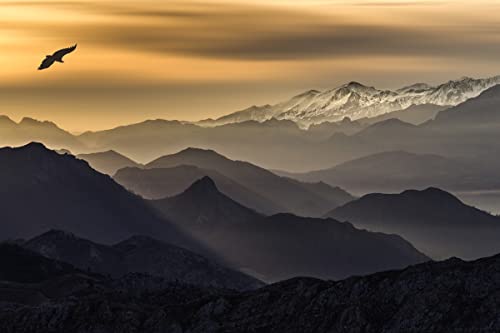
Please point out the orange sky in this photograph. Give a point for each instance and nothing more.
(195, 59)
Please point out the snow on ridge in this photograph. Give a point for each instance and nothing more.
(355, 100)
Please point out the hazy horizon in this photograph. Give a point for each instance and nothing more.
(193, 60)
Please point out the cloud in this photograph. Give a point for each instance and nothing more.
(257, 32)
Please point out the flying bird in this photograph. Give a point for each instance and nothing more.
(57, 56)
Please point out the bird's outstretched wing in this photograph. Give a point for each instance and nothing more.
(61, 53)
(46, 63)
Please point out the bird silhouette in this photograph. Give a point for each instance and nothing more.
(56, 57)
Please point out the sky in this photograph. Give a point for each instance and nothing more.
(195, 59)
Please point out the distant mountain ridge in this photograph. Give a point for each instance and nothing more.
(474, 136)
(399, 170)
(305, 199)
(356, 101)
(159, 183)
(29, 130)
(435, 221)
(108, 162)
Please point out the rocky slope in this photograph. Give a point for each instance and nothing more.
(43, 190)
(447, 296)
(139, 254)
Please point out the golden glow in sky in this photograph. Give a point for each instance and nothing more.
(190, 60)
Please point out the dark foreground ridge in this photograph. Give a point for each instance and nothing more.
(446, 296)
(139, 254)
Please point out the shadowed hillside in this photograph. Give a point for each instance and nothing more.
(435, 221)
(44, 190)
(139, 254)
(283, 245)
(392, 301)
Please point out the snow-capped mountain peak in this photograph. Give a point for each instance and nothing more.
(355, 100)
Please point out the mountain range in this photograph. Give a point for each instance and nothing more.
(283, 245)
(29, 130)
(44, 190)
(108, 162)
(295, 149)
(452, 295)
(252, 185)
(159, 183)
(355, 100)
(394, 171)
(138, 254)
(435, 221)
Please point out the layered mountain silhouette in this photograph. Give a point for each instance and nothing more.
(435, 221)
(165, 182)
(476, 114)
(139, 254)
(29, 129)
(399, 170)
(415, 114)
(295, 197)
(108, 162)
(44, 190)
(295, 149)
(203, 205)
(283, 245)
(392, 301)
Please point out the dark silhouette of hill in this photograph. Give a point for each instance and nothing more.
(139, 254)
(22, 265)
(166, 182)
(295, 197)
(108, 162)
(391, 301)
(212, 207)
(282, 246)
(434, 221)
(44, 190)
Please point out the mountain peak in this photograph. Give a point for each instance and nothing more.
(432, 194)
(34, 122)
(357, 101)
(195, 150)
(6, 120)
(203, 185)
(355, 84)
(57, 234)
(311, 92)
(188, 156)
(33, 146)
